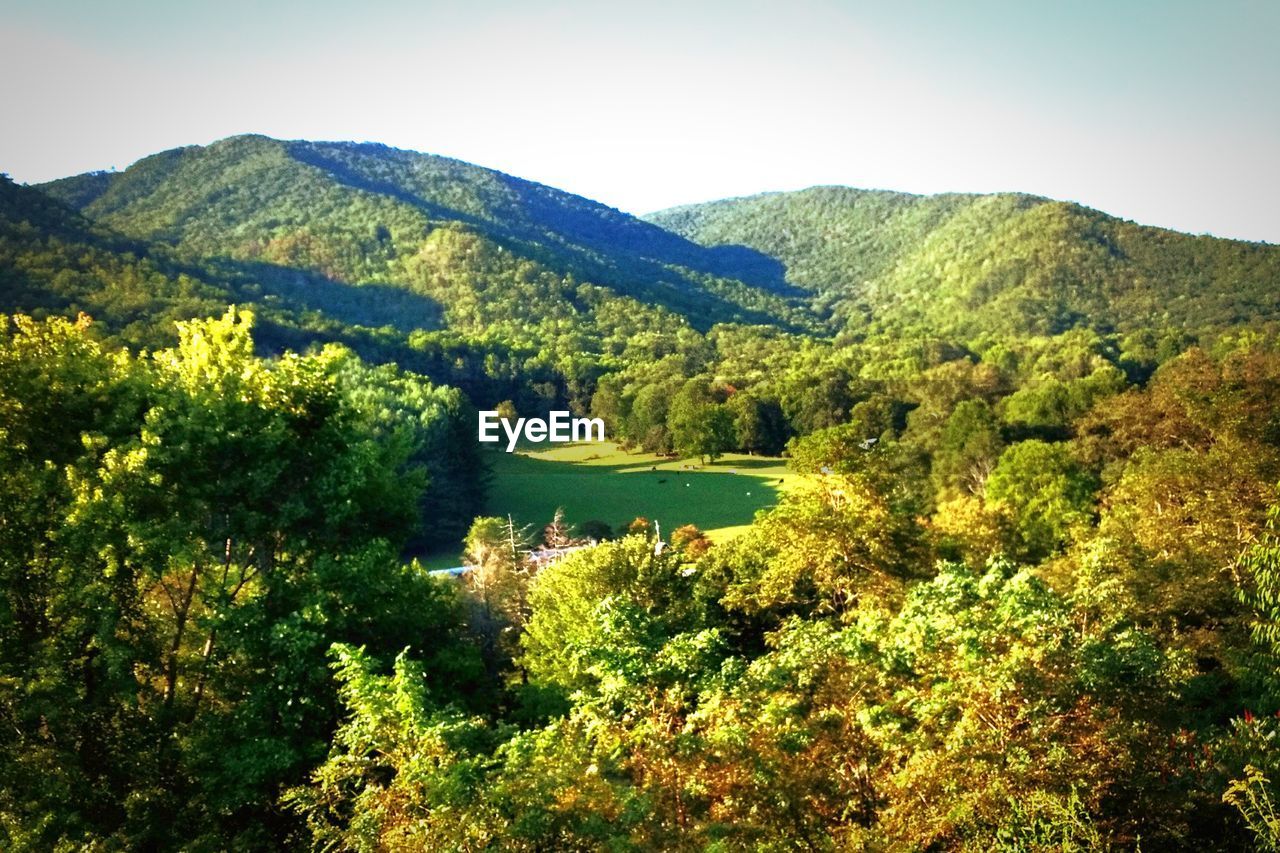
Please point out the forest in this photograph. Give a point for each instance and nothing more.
(1026, 598)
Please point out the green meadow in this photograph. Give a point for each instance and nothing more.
(594, 481)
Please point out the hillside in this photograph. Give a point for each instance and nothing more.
(363, 213)
(974, 264)
(372, 245)
(55, 261)
(502, 287)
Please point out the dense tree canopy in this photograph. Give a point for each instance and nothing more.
(184, 536)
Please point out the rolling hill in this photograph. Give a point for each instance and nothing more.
(974, 264)
(358, 214)
(511, 289)
(54, 260)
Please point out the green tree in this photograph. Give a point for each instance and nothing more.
(821, 550)
(210, 523)
(700, 426)
(647, 423)
(1049, 493)
(570, 598)
(971, 443)
(758, 423)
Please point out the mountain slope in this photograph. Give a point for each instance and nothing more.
(972, 264)
(55, 261)
(362, 213)
(475, 277)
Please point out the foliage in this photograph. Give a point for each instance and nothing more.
(700, 425)
(188, 534)
(1076, 415)
(964, 264)
(1252, 796)
(1048, 492)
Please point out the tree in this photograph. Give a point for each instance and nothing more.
(397, 774)
(821, 550)
(970, 445)
(1260, 564)
(1253, 793)
(439, 426)
(703, 431)
(1048, 492)
(507, 411)
(699, 425)
(647, 423)
(498, 578)
(217, 522)
(987, 677)
(691, 541)
(557, 534)
(1182, 517)
(969, 530)
(571, 602)
(758, 423)
(818, 398)
(595, 530)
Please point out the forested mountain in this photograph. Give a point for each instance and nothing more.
(1006, 263)
(52, 259)
(505, 288)
(372, 245)
(55, 261)
(366, 213)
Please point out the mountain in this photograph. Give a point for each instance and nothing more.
(513, 290)
(503, 287)
(974, 264)
(53, 260)
(357, 214)
(359, 241)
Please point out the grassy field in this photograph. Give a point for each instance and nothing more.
(601, 482)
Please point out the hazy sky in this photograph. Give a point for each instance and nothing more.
(1163, 112)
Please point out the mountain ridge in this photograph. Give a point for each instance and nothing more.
(875, 257)
(152, 200)
(488, 253)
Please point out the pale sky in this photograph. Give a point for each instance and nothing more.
(1167, 113)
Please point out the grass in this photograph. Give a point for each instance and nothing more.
(599, 481)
